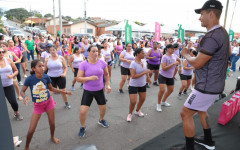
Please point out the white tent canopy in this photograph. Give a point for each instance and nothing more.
(121, 27)
(150, 27)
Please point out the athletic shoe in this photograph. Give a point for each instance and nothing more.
(165, 104)
(106, 100)
(155, 83)
(73, 89)
(120, 91)
(185, 93)
(207, 144)
(68, 106)
(179, 96)
(103, 123)
(25, 76)
(81, 133)
(27, 70)
(81, 86)
(20, 83)
(139, 113)
(129, 118)
(159, 108)
(147, 86)
(18, 117)
(183, 147)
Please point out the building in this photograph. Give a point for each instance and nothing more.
(37, 21)
(79, 28)
(50, 24)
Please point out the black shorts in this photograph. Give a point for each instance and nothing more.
(88, 96)
(24, 57)
(36, 50)
(59, 81)
(164, 80)
(185, 77)
(135, 90)
(75, 72)
(125, 71)
(109, 63)
(153, 67)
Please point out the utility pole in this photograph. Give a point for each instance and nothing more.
(31, 15)
(85, 16)
(60, 18)
(233, 14)
(225, 19)
(54, 19)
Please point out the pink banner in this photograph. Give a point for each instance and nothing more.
(157, 31)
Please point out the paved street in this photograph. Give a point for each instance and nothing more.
(121, 135)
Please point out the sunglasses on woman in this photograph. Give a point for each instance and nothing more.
(2, 52)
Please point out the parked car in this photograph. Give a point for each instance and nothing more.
(11, 29)
(25, 28)
(80, 35)
(29, 29)
(107, 36)
(18, 33)
(43, 32)
(36, 30)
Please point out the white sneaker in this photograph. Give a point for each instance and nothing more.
(165, 104)
(159, 108)
(25, 76)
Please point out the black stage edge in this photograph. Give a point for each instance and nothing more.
(226, 137)
(6, 138)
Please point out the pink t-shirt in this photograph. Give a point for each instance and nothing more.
(37, 41)
(16, 51)
(93, 70)
(119, 49)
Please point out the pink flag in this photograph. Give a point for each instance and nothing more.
(157, 31)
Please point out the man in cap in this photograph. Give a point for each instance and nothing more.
(211, 66)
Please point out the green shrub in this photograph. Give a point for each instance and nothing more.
(2, 31)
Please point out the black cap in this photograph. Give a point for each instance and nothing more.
(210, 4)
(169, 46)
(175, 45)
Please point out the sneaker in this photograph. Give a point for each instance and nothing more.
(25, 76)
(183, 147)
(20, 83)
(73, 89)
(139, 113)
(81, 133)
(207, 144)
(27, 70)
(129, 118)
(165, 104)
(103, 123)
(185, 93)
(81, 86)
(147, 86)
(155, 83)
(120, 91)
(179, 96)
(106, 100)
(68, 106)
(18, 117)
(159, 108)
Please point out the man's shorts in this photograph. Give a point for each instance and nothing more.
(199, 101)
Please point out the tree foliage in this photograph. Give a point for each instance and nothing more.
(48, 15)
(38, 15)
(18, 13)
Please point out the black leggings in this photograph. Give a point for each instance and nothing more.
(11, 97)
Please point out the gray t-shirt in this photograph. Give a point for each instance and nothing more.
(139, 68)
(210, 79)
(42, 45)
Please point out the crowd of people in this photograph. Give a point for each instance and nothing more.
(91, 62)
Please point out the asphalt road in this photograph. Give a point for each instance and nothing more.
(121, 135)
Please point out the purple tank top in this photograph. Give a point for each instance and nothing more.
(20, 47)
(187, 72)
(155, 61)
(55, 67)
(7, 70)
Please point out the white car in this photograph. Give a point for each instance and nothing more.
(107, 36)
(18, 33)
(43, 32)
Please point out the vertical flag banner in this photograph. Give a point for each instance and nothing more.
(181, 33)
(231, 35)
(128, 33)
(157, 31)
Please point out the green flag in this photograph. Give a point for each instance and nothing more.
(128, 33)
(181, 33)
(231, 35)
